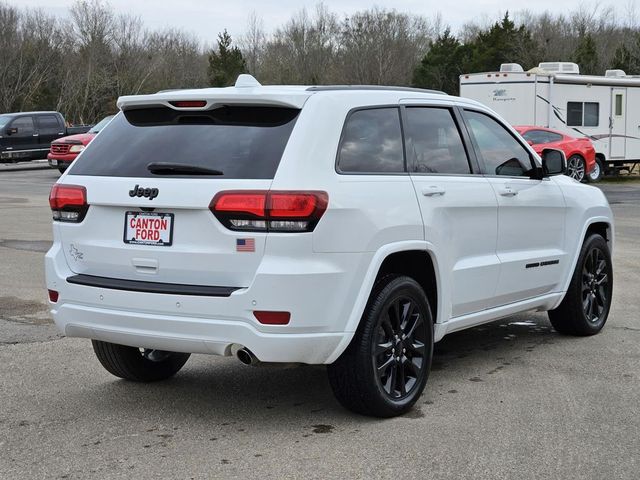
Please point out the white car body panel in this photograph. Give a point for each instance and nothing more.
(478, 241)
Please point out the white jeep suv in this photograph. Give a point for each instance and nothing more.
(346, 226)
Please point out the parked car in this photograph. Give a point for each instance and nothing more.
(346, 226)
(580, 153)
(28, 135)
(65, 150)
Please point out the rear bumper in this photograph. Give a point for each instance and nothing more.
(320, 301)
(194, 335)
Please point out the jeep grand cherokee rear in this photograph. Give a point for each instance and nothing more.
(352, 227)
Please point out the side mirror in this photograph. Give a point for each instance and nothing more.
(530, 142)
(12, 131)
(554, 162)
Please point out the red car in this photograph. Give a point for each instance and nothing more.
(581, 156)
(65, 150)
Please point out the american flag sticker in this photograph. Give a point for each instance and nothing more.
(245, 244)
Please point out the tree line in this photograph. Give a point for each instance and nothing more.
(80, 65)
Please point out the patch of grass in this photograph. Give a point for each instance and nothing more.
(621, 179)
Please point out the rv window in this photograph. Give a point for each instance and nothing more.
(436, 143)
(581, 114)
(618, 105)
(574, 114)
(591, 111)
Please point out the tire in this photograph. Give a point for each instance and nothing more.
(597, 173)
(397, 306)
(139, 366)
(585, 307)
(62, 169)
(576, 168)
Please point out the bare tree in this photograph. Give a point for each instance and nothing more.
(304, 50)
(252, 44)
(382, 47)
(80, 65)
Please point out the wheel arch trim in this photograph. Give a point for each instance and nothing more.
(583, 236)
(369, 279)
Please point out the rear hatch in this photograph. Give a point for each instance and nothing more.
(150, 177)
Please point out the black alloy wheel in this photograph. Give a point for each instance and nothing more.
(595, 285)
(585, 307)
(385, 368)
(399, 351)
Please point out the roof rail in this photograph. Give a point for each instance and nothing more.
(328, 88)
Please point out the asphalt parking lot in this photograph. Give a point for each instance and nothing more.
(511, 399)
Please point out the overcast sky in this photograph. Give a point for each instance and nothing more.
(206, 18)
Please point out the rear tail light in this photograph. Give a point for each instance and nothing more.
(53, 296)
(272, 211)
(68, 203)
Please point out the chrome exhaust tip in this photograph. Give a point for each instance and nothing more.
(247, 357)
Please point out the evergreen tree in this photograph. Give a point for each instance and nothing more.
(441, 66)
(502, 43)
(586, 55)
(226, 64)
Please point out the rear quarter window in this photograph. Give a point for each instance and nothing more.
(372, 142)
(242, 142)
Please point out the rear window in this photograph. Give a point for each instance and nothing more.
(241, 142)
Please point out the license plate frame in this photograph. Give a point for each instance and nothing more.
(161, 242)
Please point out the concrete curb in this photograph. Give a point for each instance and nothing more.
(19, 167)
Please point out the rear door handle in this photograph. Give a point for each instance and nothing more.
(433, 191)
(508, 192)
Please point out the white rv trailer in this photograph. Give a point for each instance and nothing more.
(604, 108)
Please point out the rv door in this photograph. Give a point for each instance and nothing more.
(618, 123)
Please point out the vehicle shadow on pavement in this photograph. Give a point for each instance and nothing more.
(222, 391)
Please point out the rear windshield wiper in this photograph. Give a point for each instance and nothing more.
(168, 168)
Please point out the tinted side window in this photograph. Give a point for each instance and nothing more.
(48, 124)
(435, 141)
(534, 136)
(372, 142)
(24, 126)
(541, 136)
(553, 137)
(501, 153)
